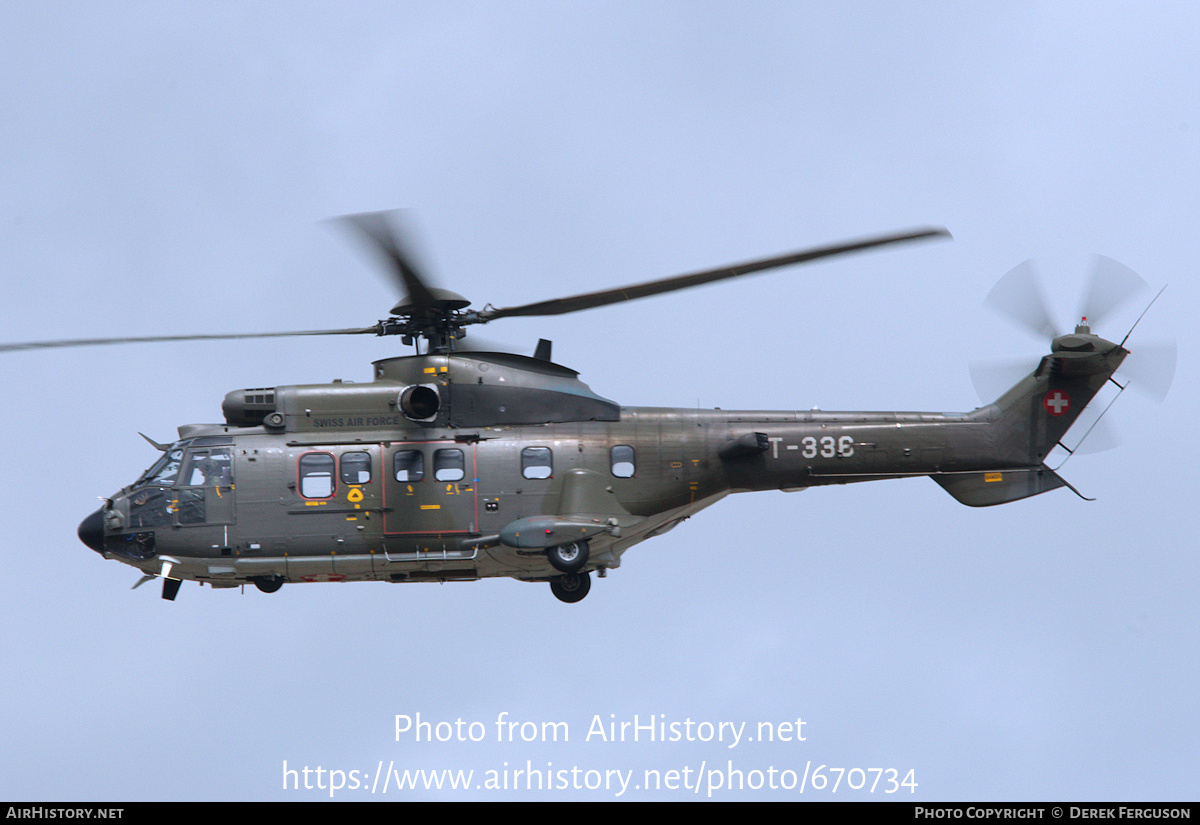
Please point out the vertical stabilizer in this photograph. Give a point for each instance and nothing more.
(1032, 417)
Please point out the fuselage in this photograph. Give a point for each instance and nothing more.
(227, 503)
(459, 467)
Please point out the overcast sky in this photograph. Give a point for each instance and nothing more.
(166, 169)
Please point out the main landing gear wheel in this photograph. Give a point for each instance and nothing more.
(268, 584)
(571, 587)
(569, 557)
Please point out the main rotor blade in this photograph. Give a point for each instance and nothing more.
(150, 339)
(379, 229)
(559, 306)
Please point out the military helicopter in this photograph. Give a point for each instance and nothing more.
(457, 465)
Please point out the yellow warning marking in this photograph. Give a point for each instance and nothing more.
(989, 477)
(431, 506)
(355, 494)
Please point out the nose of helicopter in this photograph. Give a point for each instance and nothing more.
(91, 531)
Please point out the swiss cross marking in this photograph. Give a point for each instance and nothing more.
(1057, 402)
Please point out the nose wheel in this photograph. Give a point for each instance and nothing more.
(571, 587)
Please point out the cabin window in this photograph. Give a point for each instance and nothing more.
(448, 465)
(316, 475)
(409, 465)
(537, 462)
(356, 468)
(623, 463)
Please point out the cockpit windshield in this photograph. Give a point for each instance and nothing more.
(193, 462)
(164, 471)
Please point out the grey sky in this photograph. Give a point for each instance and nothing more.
(166, 168)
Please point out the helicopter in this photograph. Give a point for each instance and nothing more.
(456, 465)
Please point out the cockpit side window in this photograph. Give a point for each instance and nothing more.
(209, 468)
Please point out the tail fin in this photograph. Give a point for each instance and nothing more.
(1032, 417)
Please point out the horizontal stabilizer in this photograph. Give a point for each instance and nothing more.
(1000, 486)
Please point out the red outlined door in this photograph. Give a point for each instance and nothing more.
(430, 488)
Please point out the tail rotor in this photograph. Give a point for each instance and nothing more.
(1018, 297)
